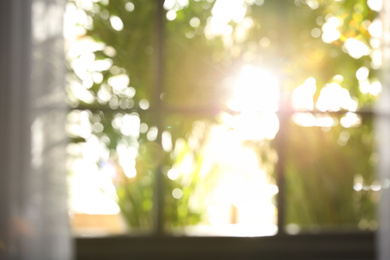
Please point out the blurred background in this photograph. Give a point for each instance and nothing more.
(222, 118)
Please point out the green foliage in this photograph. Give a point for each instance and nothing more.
(322, 168)
(135, 196)
(133, 45)
(197, 70)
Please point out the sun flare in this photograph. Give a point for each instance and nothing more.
(255, 89)
(255, 95)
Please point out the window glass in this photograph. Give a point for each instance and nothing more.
(178, 116)
(330, 180)
(220, 183)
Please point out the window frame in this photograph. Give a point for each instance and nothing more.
(323, 245)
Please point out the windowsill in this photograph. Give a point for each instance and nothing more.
(345, 245)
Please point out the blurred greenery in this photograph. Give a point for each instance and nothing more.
(281, 35)
(329, 173)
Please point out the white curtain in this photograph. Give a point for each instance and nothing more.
(33, 204)
(383, 138)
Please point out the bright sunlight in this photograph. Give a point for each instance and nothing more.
(255, 95)
(219, 167)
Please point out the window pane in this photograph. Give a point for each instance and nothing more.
(112, 130)
(148, 105)
(111, 189)
(330, 178)
(219, 183)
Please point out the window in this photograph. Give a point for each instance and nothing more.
(306, 88)
(48, 239)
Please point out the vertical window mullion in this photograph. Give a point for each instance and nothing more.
(158, 199)
(280, 171)
(284, 35)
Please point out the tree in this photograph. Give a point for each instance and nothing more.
(298, 39)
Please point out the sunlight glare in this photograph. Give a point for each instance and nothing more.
(129, 6)
(144, 104)
(376, 28)
(302, 96)
(130, 124)
(127, 156)
(223, 13)
(173, 174)
(171, 15)
(350, 120)
(330, 31)
(169, 4)
(116, 23)
(92, 191)
(241, 203)
(376, 59)
(256, 126)
(243, 186)
(255, 90)
(364, 86)
(355, 48)
(375, 5)
(376, 88)
(177, 193)
(166, 141)
(313, 4)
(256, 95)
(333, 98)
(195, 22)
(362, 73)
(119, 82)
(309, 120)
(152, 134)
